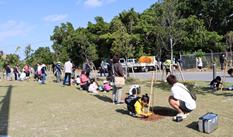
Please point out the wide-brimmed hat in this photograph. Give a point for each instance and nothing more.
(105, 81)
(43, 65)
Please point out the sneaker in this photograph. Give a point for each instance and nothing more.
(186, 114)
(119, 103)
(114, 102)
(180, 114)
(62, 85)
(134, 115)
(80, 88)
(95, 92)
(130, 113)
(104, 91)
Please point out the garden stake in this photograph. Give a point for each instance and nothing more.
(224, 76)
(151, 88)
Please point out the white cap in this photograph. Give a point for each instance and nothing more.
(105, 81)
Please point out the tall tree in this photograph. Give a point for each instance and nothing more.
(28, 54)
(171, 26)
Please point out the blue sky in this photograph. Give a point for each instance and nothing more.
(32, 22)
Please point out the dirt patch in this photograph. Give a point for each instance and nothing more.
(157, 115)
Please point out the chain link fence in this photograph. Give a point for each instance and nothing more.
(190, 61)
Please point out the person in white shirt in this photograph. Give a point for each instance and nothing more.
(22, 76)
(77, 80)
(199, 63)
(68, 71)
(181, 100)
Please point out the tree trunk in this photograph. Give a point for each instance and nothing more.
(171, 57)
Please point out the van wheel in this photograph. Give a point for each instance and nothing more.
(146, 69)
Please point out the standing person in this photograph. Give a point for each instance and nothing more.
(167, 62)
(35, 72)
(102, 69)
(68, 71)
(109, 67)
(43, 71)
(87, 68)
(181, 100)
(39, 71)
(222, 58)
(8, 72)
(58, 73)
(180, 63)
(73, 70)
(118, 72)
(16, 72)
(199, 62)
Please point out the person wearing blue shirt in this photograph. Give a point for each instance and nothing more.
(180, 62)
(58, 71)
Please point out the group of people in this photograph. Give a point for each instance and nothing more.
(14, 73)
(181, 99)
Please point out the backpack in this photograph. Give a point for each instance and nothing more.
(87, 68)
(131, 100)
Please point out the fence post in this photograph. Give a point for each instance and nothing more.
(212, 56)
(214, 70)
(196, 58)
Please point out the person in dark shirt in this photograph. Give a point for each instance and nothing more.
(214, 84)
(222, 58)
(58, 72)
(118, 72)
(8, 72)
(180, 63)
(43, 71)
(16, 72)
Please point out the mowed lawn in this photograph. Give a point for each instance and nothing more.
(29, 109)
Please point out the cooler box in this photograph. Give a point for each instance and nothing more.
(208, 123)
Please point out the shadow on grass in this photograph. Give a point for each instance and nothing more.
(104, 98)
(193, 126)
(123, 111)
(4, 112)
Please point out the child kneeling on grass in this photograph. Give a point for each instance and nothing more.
(106, 87)
(214, 84)
(136, 105)
(93, 87)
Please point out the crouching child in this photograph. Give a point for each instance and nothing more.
(214, 84)
(135, 105)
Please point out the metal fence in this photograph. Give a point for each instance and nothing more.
(190, 61)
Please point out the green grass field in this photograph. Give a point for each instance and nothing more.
(29, 109)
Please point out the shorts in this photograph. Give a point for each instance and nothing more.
(199, 67)
(230, 88)
(212, 86)
(167, 70)
(130, 108)
(183, 107)
(8, 75)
